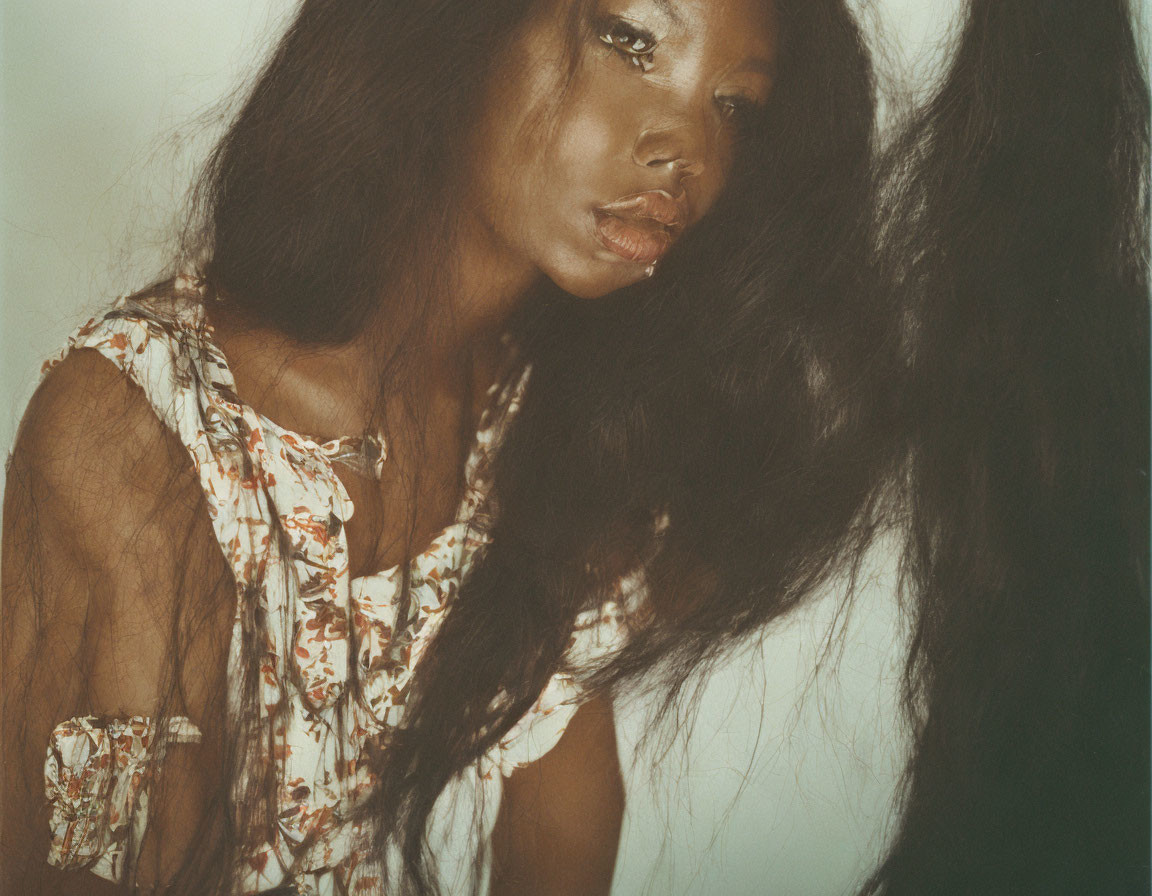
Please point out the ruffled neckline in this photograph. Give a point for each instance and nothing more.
(188, 310)
(338, 621)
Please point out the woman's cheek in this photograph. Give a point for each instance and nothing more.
(599, 124)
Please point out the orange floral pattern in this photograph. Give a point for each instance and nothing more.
(337, 652)
(95, 778)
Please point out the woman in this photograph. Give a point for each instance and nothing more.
(668, 208)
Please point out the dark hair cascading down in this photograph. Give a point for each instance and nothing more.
(1019, 250)
(948, 336)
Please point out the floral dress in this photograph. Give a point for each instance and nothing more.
(337, 655)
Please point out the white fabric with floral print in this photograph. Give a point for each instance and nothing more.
(315, 620)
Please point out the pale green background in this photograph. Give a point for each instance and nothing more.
(108, 106)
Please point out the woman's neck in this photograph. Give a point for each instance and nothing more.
(327, 391)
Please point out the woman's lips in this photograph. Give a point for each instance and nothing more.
(635, 239)
(641, 227)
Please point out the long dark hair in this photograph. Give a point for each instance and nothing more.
(948, 337)
(1018, 245)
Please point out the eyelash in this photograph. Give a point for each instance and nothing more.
(738, 108)
(633, 44)
(637, 46)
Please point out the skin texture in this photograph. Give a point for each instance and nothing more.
(618, 129)
(610, 129)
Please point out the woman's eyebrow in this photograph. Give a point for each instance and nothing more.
(668, 7)
(760, 65)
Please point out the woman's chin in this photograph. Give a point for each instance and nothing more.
(597, 280)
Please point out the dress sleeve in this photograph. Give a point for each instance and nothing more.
(96, 777)
(597, 636)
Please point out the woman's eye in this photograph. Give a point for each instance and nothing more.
(739, 109)
(633, 44)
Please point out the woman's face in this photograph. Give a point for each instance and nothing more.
(589, 177)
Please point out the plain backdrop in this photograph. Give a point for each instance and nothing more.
(783, 782)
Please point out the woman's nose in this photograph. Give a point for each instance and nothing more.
(681, 146)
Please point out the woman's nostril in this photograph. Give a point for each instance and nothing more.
(678, 147)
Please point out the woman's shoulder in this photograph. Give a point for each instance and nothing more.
(157, 337)
(99, 442)
(94, 457)
(103, 516)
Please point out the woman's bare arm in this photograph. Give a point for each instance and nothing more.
(110, 570)
(558, 830)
